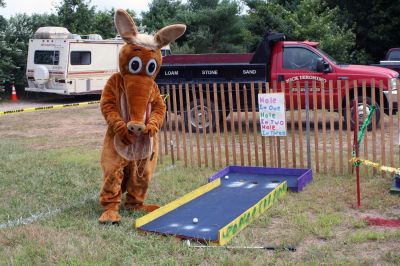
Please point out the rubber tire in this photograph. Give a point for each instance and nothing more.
(360, 103)
(41, 74)
(192, 115)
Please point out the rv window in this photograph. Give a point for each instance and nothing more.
(81, 58)
(46, 57)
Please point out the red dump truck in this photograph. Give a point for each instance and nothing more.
(277, 60)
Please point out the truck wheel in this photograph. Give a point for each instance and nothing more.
(196, 108)
(360, 111)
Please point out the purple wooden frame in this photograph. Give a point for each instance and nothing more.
(304, 175)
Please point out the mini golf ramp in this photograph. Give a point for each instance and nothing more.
(296, 178)
(223, 207)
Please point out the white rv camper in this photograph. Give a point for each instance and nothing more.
(64, 63)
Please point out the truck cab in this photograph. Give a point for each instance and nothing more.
(302, 62)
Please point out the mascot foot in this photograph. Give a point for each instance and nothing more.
(142, 207)
(110, 216)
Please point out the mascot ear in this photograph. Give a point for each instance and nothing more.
(169, 34)
(125, 25)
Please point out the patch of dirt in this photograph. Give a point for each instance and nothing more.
(376, 250)
(85, 124)
(301, 250)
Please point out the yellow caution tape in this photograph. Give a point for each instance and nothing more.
(50, 107)
(375, 165)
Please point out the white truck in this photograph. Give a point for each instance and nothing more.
(69, 64)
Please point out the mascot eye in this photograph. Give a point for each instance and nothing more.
(151, 67)
(135, 65)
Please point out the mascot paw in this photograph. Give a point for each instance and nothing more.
(122, 131)
(150, 129)
(110, 216)
(142, 207)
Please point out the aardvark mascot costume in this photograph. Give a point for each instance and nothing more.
(134, 110)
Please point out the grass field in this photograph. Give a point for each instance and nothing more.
(50, 179)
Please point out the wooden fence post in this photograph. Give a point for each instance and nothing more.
(255, 128)
(209, 144)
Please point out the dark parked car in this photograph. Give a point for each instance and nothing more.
(392, 60)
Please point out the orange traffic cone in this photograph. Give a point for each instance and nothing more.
(13, 94)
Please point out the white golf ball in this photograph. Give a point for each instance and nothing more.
(227, 177)
(195, 220)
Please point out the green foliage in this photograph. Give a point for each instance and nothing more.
(104, 24)
(262, 17)
(13, 48)
(376, 24)
(160, 14)
(182, 49)
(5, 51)
(43, 20)
(213, 25)
(77, 15)
(313, 20)
(309, 20)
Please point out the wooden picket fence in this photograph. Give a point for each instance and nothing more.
(236, 138)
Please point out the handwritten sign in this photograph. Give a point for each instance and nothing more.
(272, 114)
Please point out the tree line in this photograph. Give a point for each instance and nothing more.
(357, 32)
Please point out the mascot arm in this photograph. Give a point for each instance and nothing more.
(109, 109)
(158, 109)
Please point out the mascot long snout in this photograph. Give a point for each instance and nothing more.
(136, 107)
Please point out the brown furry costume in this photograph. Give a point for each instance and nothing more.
(134, 110)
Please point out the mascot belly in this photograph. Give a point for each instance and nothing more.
(134, 110)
